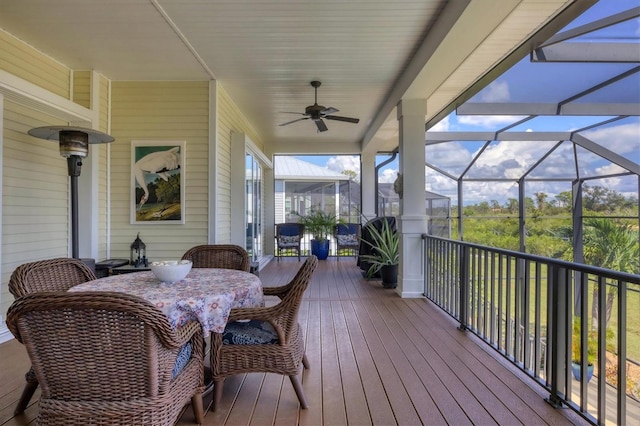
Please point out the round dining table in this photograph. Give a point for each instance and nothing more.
(206, 294)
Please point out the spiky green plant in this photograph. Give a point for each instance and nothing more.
(385, 243)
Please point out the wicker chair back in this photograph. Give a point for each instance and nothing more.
(107, 358)
(227, 256)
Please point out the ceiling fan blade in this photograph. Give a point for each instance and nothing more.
(291, 112)
(329, 110)
(339, 118)
(321, 126)
(293, 121)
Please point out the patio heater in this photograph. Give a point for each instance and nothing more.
(74, 146)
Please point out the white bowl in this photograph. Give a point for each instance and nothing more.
(171, 271)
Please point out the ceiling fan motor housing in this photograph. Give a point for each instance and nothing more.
(314, 111)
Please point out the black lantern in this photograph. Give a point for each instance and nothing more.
(138, 255)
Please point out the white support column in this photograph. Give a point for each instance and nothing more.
(88, 206)
(88, 183)
(413, 219)
(213, 161)
(5, 334)
(238, 178)
(268, 211)
(367, 184)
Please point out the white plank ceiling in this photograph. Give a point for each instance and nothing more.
(368, 54)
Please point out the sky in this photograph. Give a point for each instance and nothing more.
(537, 82)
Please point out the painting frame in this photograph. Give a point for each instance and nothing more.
(157, 182)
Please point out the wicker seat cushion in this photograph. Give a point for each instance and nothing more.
(184, 355)
(347, 239)
(252, 332)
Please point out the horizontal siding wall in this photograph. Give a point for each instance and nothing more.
(229, 119)
(18, 58)
(82, 88)
(35, 197)
(159, 111)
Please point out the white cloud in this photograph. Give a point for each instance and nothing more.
(441, 126)
(477, 192)
(448, 155)
(388, 176)
(344, 162)
(487, 121)
(509, 159)
(435, 182)
(609, 169)
(498, 91)
(621, 139)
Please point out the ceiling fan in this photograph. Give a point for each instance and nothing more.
(317, 112)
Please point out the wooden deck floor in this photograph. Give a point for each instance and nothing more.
(376, 359)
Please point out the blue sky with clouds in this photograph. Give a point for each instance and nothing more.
(538, 82)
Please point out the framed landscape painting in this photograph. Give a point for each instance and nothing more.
(157, 182)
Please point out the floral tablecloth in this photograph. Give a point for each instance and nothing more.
(206, 294)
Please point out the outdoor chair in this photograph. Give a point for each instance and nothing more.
(289, 237)
(271, 341)
(108, 358)
(57, 274)
(347, 236)
(226, 256)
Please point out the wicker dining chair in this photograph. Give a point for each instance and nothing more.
(57, 274)
(270, 342)
(227, 256)
(109, 358)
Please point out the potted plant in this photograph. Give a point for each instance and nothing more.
(384, 257)
(592, 350)
(320, 225)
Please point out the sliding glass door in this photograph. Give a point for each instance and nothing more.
(253, 206)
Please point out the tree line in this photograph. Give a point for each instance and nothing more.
(610, 227)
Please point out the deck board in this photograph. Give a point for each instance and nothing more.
(375, 393)
(354, 397)
(376, 359)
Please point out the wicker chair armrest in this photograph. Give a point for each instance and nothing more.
(187, 332)
(276, 291)
(261, 313)
(269, 314)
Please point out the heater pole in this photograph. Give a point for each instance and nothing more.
(74, 165)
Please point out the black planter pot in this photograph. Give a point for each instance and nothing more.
(389, 275)
(320, 248)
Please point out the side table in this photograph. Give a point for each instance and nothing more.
(104, 267)
(127, 269)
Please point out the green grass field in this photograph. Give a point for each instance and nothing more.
(483, 272)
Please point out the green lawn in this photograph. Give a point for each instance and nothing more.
(633, 303)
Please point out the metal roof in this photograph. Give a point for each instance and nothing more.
(291, 168)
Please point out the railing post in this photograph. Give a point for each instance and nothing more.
(558, 329)
(425, 265)
(463, 258)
